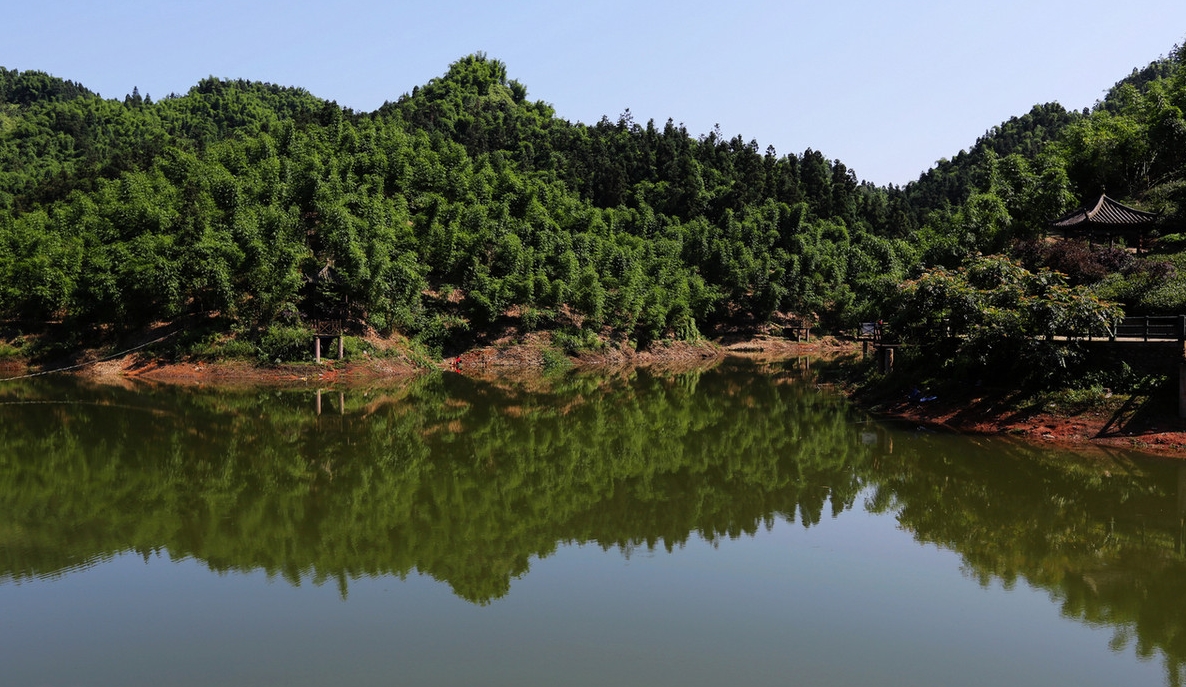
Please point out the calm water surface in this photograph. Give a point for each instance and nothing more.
(733, 526)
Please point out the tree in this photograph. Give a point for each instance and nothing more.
(993, 311)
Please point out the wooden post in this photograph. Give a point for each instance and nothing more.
(341, 347)
(319, 401)
(1182, 390)
(341, 403)
(317, 353)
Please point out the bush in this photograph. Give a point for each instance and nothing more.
(555, 361)
(439, 330)
(581, 340)
(285, 343)
(1122, 379)
(17, 346)
(1168, 299)
(998, 314)
(354, 347)
(215, 346)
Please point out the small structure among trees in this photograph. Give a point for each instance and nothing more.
(1107, 218)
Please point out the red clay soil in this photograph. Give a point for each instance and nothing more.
(1137, 423)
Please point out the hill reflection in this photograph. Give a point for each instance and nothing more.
(459, 479)
(466, 480)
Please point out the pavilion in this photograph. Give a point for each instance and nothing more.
(1107, 218)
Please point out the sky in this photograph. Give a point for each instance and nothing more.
(888, 87)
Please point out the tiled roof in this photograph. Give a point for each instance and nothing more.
(1106, 212)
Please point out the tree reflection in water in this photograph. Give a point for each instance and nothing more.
(466, 480)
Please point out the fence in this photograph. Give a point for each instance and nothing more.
(1144, 328)
(1163, 328)
(869, 331)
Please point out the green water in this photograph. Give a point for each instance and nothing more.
(733, 526)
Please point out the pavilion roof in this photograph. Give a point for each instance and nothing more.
(1107, 214)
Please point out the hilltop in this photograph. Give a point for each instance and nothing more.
(464, 211)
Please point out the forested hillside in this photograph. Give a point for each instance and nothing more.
(465, 207)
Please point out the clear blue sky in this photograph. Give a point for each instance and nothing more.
(888, 87)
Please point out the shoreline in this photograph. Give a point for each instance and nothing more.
(1142, 424)
(1131, 423)
(529, 354)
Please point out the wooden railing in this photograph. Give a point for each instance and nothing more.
(1144, 328)
(870, 331)
(325, 327)
(1151, 328)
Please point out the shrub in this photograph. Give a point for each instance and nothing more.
(438, 330)
(581, 340)
(8, 350)
(992, 311)
(555, 360)
(286, 343)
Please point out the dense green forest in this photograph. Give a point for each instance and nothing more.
(465, 208)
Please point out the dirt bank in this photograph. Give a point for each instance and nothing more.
(522, 354)
(1142, 423)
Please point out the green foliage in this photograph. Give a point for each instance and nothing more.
(272, 207)
(992, 311)
(573, 343)
(219, 346)
(555, 361)
(439, 331)
(1155, 285)
(11, 350)
(285, 343)
(354, 347)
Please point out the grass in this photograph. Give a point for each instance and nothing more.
(573, 343)
(555, 360)
(8, 350)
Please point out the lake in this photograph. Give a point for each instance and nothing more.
(738, 525)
